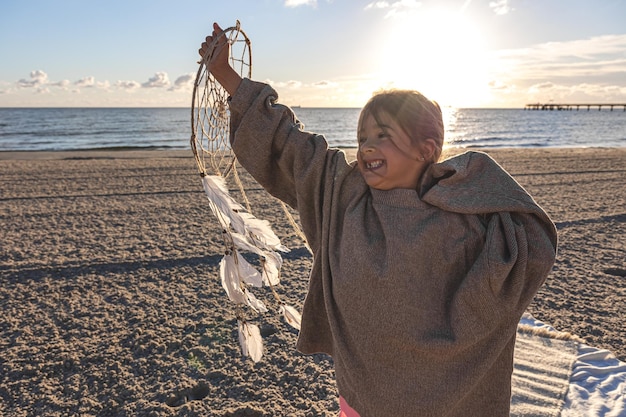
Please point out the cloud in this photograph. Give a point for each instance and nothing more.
(90, 82)
(184, 82)
(578, 61)
(325, 84)
(579, 92)
(299, 85)
(37, 78)
(62, 84)
(500, 87)
(378, 5)
(85, 82)
(501, 7)
(592, 69)
(542, 86)
(296, 3)
(397, 8)
(160, 80)
(127, 85)
(292, 84)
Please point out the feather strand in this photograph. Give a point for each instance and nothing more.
(291, 315)
(250, 340)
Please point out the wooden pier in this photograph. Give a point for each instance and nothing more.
(572, 106)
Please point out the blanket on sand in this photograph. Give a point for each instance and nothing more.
(557, 374)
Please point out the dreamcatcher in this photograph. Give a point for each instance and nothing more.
(242, 232)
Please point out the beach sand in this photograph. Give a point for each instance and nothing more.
(112, 305)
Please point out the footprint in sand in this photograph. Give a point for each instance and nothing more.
(618, 272)
(198, 392)
(246, 412)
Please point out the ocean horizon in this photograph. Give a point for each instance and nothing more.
(109, 128)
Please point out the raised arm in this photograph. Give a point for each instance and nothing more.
(217, 62)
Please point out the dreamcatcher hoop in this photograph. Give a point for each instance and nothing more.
(241, 231)
(210, 117)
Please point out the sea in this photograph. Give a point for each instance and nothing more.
(64, 129)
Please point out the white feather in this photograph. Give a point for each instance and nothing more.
(230, 280)
(246, 232)
(234, 214)
(254, 303)
(242, 242)
(223, 220)
(253, 243)
(247, 273)
(217, 193)
(291, 315)
(250, 341)
(272, 261)
(262, 234)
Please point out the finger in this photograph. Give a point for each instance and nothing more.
(217, 31)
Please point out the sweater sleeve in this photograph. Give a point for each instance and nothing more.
(518, 254)
(519, 250)
(292, 165)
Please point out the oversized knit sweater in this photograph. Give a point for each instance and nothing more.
(416, 294)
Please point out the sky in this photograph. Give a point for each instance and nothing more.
(316, 53)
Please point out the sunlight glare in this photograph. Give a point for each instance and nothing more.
(439, 53)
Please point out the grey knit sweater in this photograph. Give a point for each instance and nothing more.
(416, 294)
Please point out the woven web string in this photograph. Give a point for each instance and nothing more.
(210, 118)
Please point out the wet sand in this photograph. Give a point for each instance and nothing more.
(112, 304)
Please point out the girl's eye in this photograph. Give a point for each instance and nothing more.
(380, 136)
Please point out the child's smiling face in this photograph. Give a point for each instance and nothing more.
(387, 157)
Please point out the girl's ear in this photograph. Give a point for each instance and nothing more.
(429, 150)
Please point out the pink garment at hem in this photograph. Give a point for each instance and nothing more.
(345, 409)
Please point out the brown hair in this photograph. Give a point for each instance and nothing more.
(419, 117)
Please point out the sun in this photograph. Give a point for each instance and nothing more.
(440, 53)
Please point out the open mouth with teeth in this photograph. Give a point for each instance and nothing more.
(375, 164)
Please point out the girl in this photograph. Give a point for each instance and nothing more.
(421, 269)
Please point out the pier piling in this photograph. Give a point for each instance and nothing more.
(571, 106)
